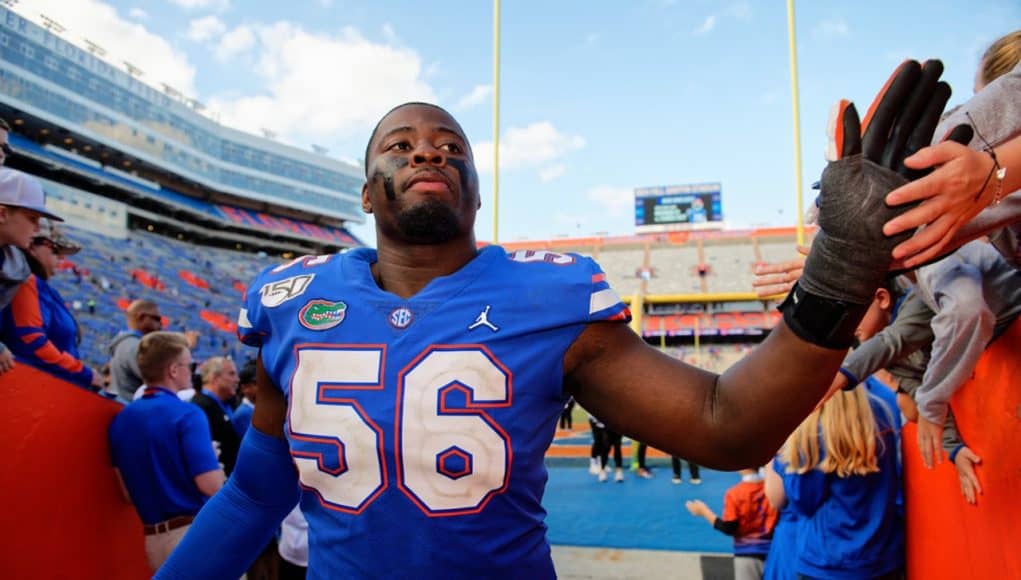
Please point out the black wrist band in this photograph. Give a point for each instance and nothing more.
(821, 321)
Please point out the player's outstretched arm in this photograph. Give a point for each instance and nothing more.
(727, 421)
(241, 518)
(742, 417)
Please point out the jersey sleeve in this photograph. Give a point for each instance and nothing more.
(604, 303)
(196, 442)
(253, 324)
(29, 328)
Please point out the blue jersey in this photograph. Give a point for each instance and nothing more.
(419, 426)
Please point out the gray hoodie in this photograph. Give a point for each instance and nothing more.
(125, 377)
(13, 271)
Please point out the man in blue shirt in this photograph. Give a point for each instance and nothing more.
(161, 447)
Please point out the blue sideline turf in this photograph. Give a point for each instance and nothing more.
(637, 513)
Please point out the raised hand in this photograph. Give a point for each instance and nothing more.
(851, 254)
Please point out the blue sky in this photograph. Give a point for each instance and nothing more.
(597, 97)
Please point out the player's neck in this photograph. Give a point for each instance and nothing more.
(405, 270)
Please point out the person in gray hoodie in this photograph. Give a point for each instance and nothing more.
(143, 317)
(22, 204)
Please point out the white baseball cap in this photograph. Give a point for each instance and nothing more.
(19, 189)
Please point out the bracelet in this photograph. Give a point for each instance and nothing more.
(997, 170)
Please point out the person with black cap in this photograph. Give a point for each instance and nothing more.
(22, 204)
(37, 326)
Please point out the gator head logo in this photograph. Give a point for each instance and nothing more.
(322, 314)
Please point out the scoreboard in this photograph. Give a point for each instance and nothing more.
(674, 208)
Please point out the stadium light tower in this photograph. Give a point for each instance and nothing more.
(52, 25)
(132, 69)
(94, 48)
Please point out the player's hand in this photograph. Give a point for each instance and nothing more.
(930, 436)
(851, 255)
(951, 196)
(965, 462)
(6, 360)
(779, 277)
(697, 507)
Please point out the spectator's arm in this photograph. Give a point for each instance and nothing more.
(963, 184)
(6, 359)
(200, 459)
(910, 331)
(774, 486)
(951, 437)
(28, 327)
(698, 508)
(210, 482)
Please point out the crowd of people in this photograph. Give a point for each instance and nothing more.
(392, 409)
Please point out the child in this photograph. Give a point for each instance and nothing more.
(749, 518)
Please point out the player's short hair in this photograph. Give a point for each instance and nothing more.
(212, 367)
(156, 351)
(4, 126)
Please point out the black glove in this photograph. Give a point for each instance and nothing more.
(850, 255)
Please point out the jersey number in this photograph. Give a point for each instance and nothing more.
(450, 455)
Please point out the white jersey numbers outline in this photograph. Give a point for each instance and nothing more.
(451, 457)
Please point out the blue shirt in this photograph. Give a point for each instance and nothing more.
(781, 563)
(419, 426)
(848, 527)
(242, 418)
(40, 330)
(160, 444)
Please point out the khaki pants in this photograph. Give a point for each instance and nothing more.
(159, 546)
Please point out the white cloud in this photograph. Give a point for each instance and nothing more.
(214, 5)
(235, 42)
(321, 88)
(121, 38)
(138, 14)
(205, 28)
(617, 200)
(831, 28)
(547, 174)
(707, 25)
(479, 95)
(535, 145)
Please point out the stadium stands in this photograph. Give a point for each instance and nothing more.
(196, 288)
